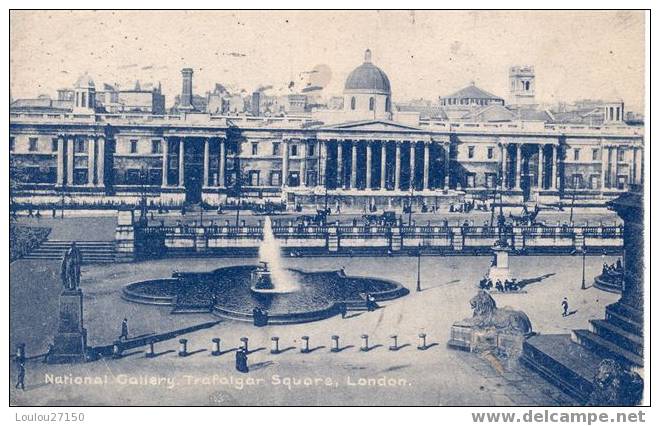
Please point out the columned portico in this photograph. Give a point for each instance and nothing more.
(100, 162)
(539, 177)
(340, 164)
(90, 161)
(303, 164)
(206, 163)
(411, 181)
(518, 166)
(447, 171)
(285, 163)
(504, 184)
(426, 165)
(554, 168)
(222, 160)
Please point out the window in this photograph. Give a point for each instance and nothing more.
(275, 178)
(490, 153)
(34, 144)
(576, 154)
(294, 150)
(255, 149)
(387, 104)
(577, 181)
(12, 144)
(276, 148)
(594, 154)
(310, 150)
(470, 152)
(134, 147)
(53, 145)
(156, 146)
(83, 102)
(353, 103)
(79, 146)
(372, 104)
(620, 155)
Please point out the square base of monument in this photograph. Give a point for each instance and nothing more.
(69, 348)
(496, 273)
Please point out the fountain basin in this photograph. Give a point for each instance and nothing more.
(229, 292)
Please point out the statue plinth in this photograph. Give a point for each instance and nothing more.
(500, 269)
(70, 343)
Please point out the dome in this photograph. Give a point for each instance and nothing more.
(367, 78)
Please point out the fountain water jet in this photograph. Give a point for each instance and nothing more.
(281, 280)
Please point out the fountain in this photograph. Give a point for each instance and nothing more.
(283, 296)
(275, 279)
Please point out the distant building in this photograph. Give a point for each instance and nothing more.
(522, 85)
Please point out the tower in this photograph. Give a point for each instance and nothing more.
(186, 90)
(522, 85)
(84, 100)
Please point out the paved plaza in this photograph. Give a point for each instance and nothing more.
(436, 376)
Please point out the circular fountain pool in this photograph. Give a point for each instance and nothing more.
(229, 292)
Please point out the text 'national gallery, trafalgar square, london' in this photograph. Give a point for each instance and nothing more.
(105, 145)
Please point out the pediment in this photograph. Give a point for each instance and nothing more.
(372, 125)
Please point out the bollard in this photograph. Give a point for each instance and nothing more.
(365, 343)
(335, 344)
(394, 345)
(150, 352)
(216, 346)
(245, 343)
(305, 347)
(422, 342)
(275, 348)
(183, 348)
(116, 349)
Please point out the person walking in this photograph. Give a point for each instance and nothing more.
(20, 381)
(564, 305)
(124, 330)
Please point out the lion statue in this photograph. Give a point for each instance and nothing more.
(615, 385)
(486, 314)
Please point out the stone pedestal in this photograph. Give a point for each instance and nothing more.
(70, 343)
(500, 270)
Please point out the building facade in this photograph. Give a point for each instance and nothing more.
(363, 154)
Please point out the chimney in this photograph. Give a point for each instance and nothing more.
(186, 90)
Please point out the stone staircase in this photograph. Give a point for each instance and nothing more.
(92, 251)
(618, 336)
(571, 361)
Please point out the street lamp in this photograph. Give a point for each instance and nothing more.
(584, 258)
(419, 264)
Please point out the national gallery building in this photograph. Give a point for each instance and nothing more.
(365, 153)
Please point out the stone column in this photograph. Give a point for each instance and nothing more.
(383, 164)
(505, 172)
(90, 161)
(206, 162)
(539, 178)
(553, 181)
(426, 165)
(353, 164)
(182, 169)
(222, 161)
(397, 167)
(614, 183)
(60, 160)
(447, 148)
(100, 162)
(633, 166)
(369, 148)
(69, 160)
(413, 145)
(166, 163)
(604, 154)
(518, 165)
(303, 163)
(323, 158)
(340, 164)
(285, 163)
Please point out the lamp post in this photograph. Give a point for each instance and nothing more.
(419, 264)
(584, 258)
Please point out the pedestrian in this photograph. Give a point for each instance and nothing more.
(564, 305)
(343, 309)
(124, 330)
(20, 381)
(48, 353)
(241, 361)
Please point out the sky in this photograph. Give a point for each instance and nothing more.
(426, 54)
